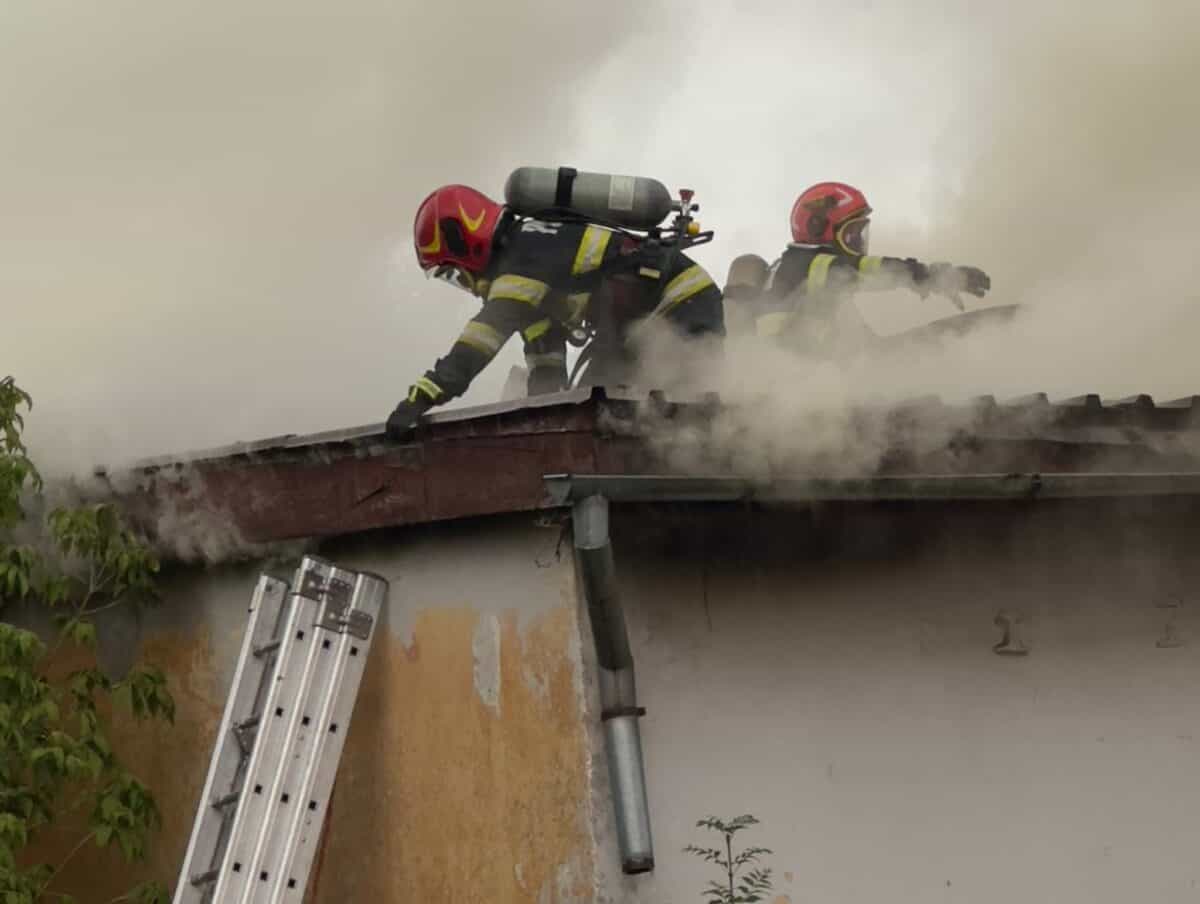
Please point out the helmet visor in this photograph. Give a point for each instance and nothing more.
(855, 235)
(453, 275)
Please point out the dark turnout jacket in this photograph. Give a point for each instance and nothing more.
(549, 278)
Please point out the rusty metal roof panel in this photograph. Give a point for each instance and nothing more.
(544, 413)
(491, 458)
(367, 434)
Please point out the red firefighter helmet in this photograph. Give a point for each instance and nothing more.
(833, 214)
(453, 233)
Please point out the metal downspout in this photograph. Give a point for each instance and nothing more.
(619, 711)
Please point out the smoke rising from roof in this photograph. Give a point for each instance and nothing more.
(1079, 190)
(207, 212)
(1063, 164)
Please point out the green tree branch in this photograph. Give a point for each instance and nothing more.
(56, 759)
(738, 884)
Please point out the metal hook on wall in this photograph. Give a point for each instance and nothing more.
(1013, 641)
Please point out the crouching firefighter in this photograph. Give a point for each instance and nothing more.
(560, 262)
(801, 297)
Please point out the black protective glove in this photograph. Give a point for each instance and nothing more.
(919, 274)
(972, 280)
(949, 280)
(978, 282)
(403, 421)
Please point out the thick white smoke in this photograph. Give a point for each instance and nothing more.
(1059, 156)
(1079, 188)
(207, 213)
(207, 210)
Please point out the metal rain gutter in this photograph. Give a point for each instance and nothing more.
(619, 711)
(564, 489)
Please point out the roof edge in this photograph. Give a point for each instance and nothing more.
(564, 489)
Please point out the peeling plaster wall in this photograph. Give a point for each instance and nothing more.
(831, 672)
(470, 782)
(834, 676)
(465, 777)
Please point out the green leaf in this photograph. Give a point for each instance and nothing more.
(53, 758)
(148, 893)
(14, 831)
(110, 806)
(54, 747)
(84, 634)
(123, 695)
(752, 886)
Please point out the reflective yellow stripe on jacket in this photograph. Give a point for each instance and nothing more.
(536, 330)
(591, 250)
(518, 288)
(818, 271)
(482, 338)
(870, 265)
(688, 283)
(427, 387)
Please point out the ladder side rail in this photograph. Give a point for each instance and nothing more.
(315, 774)
(247, 734)
(322, 671)
(255, 808)
(313, 582)
(266, 604)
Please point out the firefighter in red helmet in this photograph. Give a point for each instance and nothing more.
(543, 278)
(827, 259)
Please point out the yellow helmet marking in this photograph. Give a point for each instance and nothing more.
(436, 245)
(472, 225)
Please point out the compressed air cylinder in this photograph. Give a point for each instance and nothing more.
(747, 276)
(630, 201)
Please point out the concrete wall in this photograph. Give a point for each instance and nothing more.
(832, 674)
(835, 677)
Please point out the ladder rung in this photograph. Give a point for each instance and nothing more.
(205, 878)
(226, 799)
(249, 722)
(269, 647)
(250, 840)
(244, 728)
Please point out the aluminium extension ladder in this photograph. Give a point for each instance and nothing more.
(277, 750)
